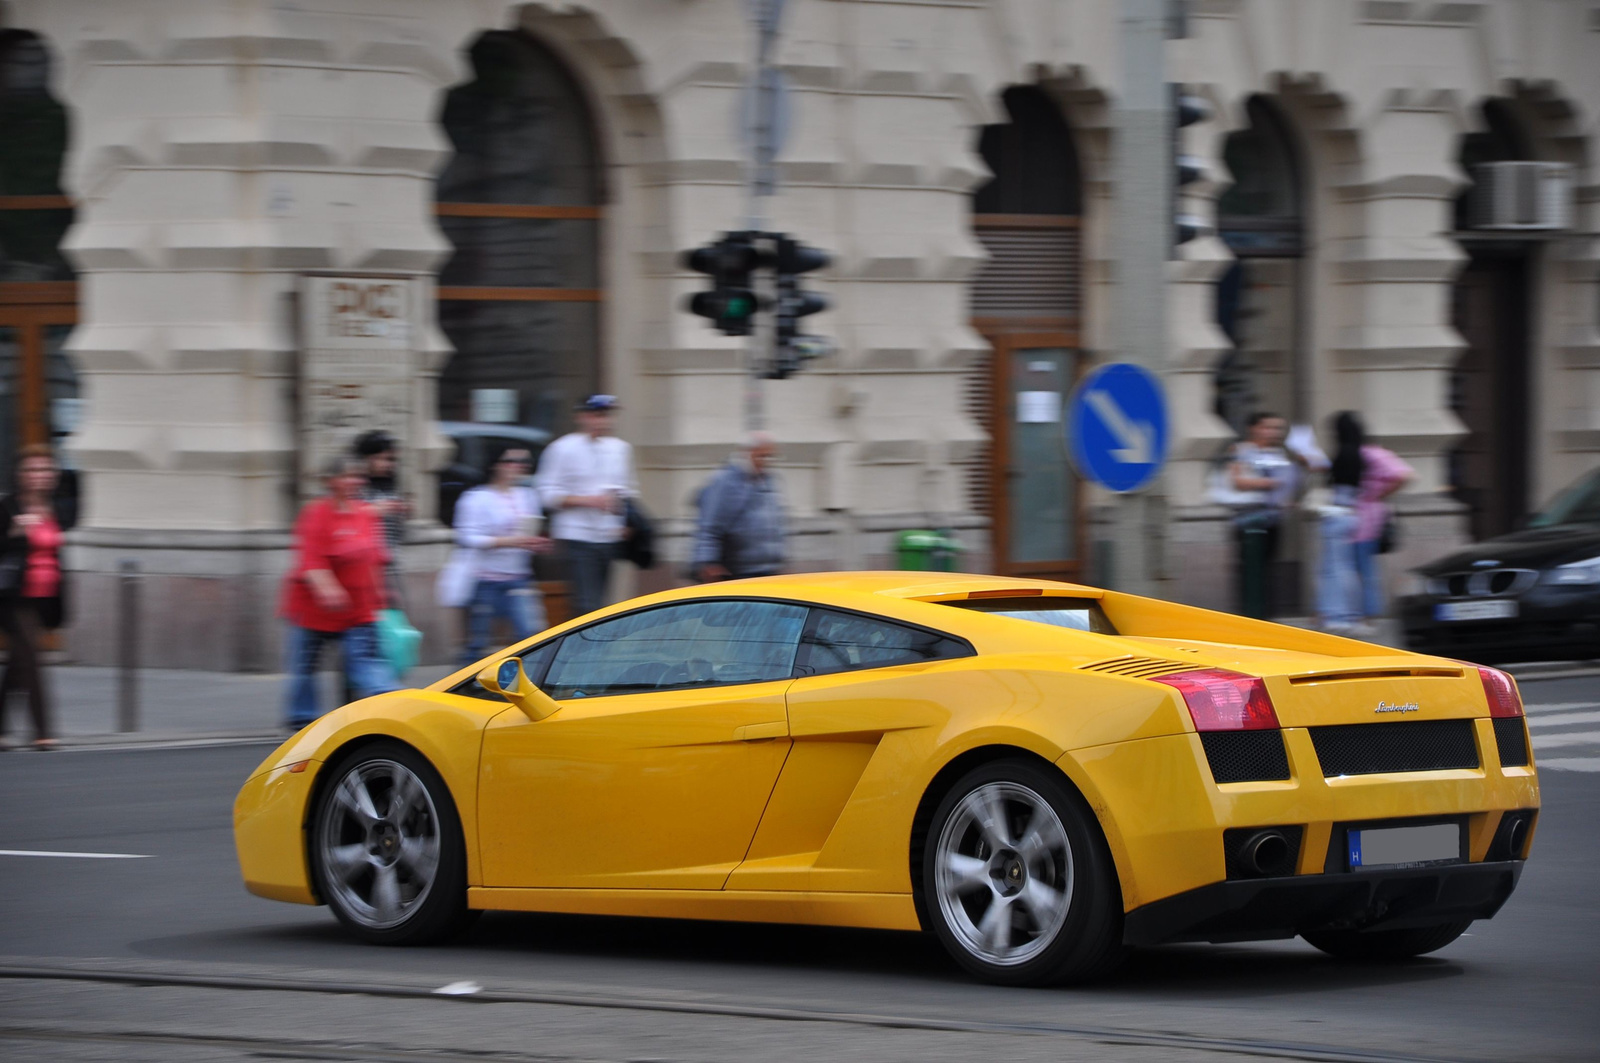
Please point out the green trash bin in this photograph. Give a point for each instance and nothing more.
(926, 550)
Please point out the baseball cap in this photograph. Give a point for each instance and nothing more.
(599, 403)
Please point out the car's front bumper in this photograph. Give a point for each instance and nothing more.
(1256, 909)
(1552, 623)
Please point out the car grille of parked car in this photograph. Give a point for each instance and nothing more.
(1415, 745)
(1512, 738)
(1245, 756)
(1493, 583)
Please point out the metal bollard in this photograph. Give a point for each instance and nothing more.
(128, 646)
(1253, 565)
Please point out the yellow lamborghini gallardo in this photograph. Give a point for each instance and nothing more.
(1041, 774)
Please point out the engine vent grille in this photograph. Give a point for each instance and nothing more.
(1139, 667)
(1417, 745)
(1512, 738)
(1246, 756)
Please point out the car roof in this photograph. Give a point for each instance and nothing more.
(920, 586)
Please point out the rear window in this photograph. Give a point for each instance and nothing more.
(1074, 614)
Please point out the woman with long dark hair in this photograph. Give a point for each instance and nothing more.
(1338, 578)
(31, 584)
(1362, 477)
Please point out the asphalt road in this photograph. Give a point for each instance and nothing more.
(167, 958)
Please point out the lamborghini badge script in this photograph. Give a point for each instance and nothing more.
(1387, 706)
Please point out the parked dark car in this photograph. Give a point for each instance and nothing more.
(476, 446)
(1530, 595)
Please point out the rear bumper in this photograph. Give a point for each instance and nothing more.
(1256, 909)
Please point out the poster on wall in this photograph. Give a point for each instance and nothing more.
(357, 364)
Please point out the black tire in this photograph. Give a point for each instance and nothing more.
(414, 816)
(1075, 870)
(1386, 944)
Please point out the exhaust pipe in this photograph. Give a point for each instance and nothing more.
(1516, 835)
(1266, 853)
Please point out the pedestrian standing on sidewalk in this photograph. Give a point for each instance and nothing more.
(1265, 476)
(1383, 472)
(377, 451)
(32, 587)
(585, 479)
(498, 522)
(334, 590)
(1338, 574)
(740, 531)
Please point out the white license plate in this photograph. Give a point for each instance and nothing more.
(1405, 846)
(1494, 609)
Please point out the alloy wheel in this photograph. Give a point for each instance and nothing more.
(379, 843)
(1003, 873)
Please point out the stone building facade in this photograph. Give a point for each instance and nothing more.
(534, 169)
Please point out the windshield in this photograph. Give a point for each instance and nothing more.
(1074, 614)
(1578, 504)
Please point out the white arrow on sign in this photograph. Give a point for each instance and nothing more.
(1137, 437)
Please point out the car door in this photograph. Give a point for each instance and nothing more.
(654, 772)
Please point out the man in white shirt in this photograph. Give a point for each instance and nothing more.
(584, 479)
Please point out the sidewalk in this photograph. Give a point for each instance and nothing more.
(198, 707)
(176, 706)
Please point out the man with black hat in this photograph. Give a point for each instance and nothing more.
(585, 478)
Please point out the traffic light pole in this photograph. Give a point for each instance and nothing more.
(1142, 233)
(762, 182)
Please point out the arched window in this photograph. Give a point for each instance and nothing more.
(1261, 219)
(1026, 302)
(521, 202)
(38, 298)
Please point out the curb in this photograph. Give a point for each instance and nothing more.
(165, 740)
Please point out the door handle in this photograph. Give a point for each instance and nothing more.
(755, 732)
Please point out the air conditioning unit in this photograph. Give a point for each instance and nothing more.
(1520, 196)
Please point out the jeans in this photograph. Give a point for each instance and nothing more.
(514, 600)
(1338, 581)
(589, 568)
(1371, 571)
(366, 672)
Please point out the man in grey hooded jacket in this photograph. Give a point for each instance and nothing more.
(740, 531)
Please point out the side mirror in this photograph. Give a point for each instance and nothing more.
(506, 678)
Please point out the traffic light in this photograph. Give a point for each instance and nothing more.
(731, 303)
(1186, 111)
(792, 258)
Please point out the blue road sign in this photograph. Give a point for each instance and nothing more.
(1117, 427)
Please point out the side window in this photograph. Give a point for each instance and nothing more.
(840, 642)
(699, 643)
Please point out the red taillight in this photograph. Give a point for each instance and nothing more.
(1501, 690)
(1220, 700)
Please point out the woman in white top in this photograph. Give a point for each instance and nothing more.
(499, 522)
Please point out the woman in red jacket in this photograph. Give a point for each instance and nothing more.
(334, 591)
(32, 587)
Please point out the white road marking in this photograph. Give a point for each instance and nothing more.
(79, 856)
(1570, 764)
(1565, 720)
(1578, 738)
(459, 989)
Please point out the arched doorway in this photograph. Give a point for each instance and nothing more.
(1026, 301)
(521, 202)
(38, 292)
(1491, 307)
(1261, 219)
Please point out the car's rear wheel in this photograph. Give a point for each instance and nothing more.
(1386, 944)
(1017, 880)
(387, 847)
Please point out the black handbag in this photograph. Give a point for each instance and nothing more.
(1389, 537)
(639, 544)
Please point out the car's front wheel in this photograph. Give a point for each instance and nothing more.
(387, 847)
(1017, 880)
(1386, 944)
